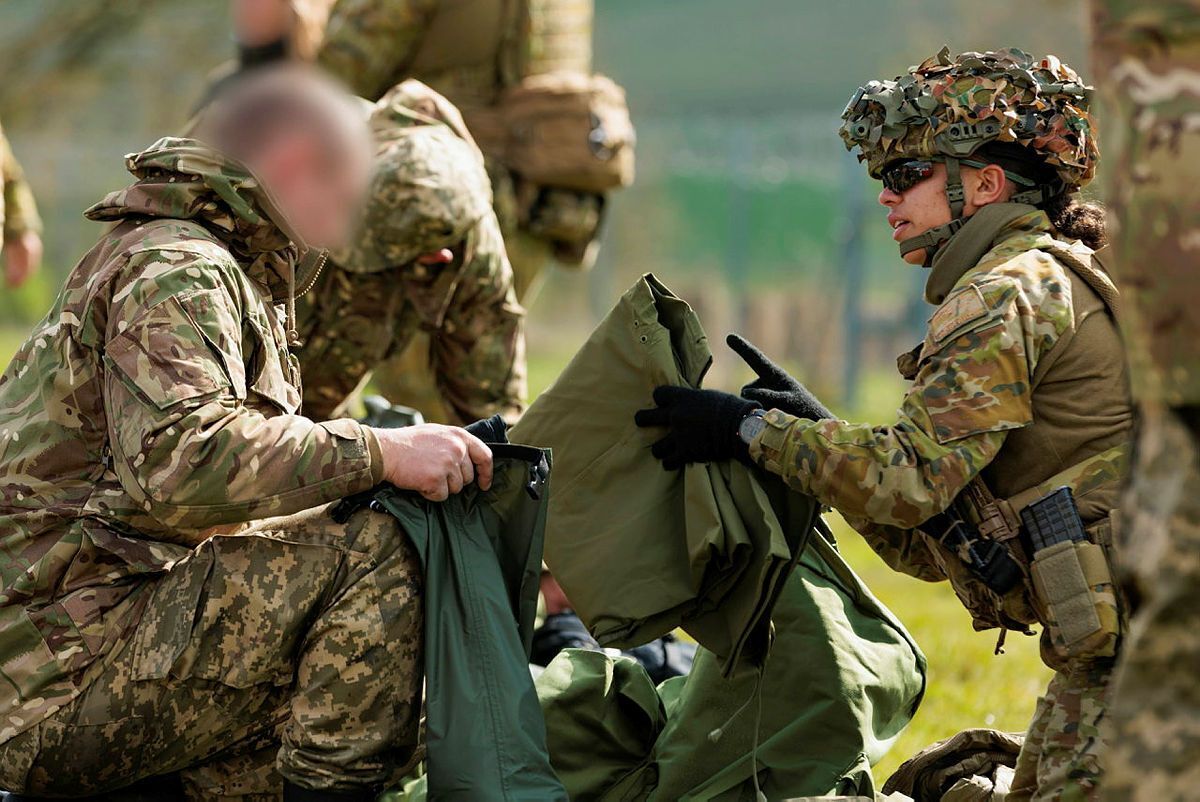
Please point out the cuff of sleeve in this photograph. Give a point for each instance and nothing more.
(767, 449)
(376, 452)
(358, 449)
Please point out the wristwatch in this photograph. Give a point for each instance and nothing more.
(751, 425)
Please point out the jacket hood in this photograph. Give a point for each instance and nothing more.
(186, 179)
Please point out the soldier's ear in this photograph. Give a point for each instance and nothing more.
(991, 186)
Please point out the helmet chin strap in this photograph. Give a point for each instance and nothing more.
(933, 239)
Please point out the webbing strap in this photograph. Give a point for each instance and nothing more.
(1000, 519)
(932, 239)
(1094, 277)
(955, 193)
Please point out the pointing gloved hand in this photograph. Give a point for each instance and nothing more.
(774, 388)
(702, 425)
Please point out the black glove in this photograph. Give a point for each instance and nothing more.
(774, 388)
(490, 430)
(702, 425)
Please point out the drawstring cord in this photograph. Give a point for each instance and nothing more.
(756, 699)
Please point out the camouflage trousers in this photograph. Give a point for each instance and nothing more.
(291, 650)
(1064, 751)
(1155, 721)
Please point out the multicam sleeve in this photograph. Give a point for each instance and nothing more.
(184, 442)
(19, 210)
(904, 550)
(479, 350)
(369, 43)
(351, 317)
(971, 388)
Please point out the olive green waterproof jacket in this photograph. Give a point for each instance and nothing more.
(482, 553)
(641, 551)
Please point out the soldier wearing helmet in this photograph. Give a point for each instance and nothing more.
(428, 257)
(1019, 387)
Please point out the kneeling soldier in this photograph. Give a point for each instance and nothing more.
(175, 595)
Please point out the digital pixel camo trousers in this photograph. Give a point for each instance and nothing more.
(291, 650)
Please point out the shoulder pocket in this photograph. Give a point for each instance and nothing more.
(961, 312)
(973, 375)
(167, 358)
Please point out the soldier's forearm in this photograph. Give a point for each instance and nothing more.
(893, 475)
(218, 466)
(904, 550)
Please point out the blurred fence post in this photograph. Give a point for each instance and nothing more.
(737, 244)
(853, 270)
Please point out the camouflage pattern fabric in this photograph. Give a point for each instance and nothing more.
(462, 49)
(291, 650)
(18, 211)
(373, 44)
(466, 51)
(1013, 330)
(372, 301)
(1148, 54)
(1064, 752)
(949, 106)
(973, 385)
(428, 191)
(154, 405)
(1155, 719)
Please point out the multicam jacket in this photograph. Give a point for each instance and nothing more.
(154, 402)
(1021, 376)
(429, 192)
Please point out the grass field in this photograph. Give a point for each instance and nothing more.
(968, 686)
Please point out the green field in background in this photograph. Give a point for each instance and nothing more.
(968, 686)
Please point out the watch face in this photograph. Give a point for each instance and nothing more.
(750, 427)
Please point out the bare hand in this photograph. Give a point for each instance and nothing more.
(436, 461)
(22, 257)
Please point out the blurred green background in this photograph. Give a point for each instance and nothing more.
(745, 203)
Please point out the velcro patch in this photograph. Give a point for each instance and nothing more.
(957, 313)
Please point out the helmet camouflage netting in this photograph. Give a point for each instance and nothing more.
(949, 108)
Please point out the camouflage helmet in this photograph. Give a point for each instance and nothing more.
(950, 108)
(962, 112)
(428, 191)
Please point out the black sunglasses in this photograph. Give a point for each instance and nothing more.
(902, 176)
